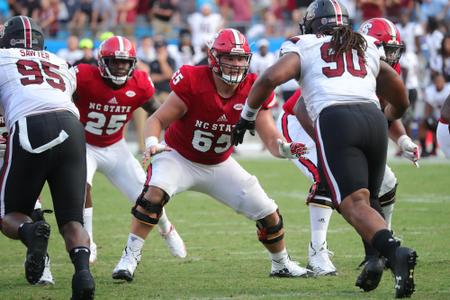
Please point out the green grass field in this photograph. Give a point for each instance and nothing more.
(225, 260)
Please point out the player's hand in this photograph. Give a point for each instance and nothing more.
(409, 149)
(291, 150)
(237, 135)
(153, 147)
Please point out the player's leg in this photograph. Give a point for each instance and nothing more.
(93, 155)
(373, 264)
(443, 137)
(17, 202)
(247, 197)
(165, 177)
(319, 204)
(129, 177)
(354, 166)
(69, 165)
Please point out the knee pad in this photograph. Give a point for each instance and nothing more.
(149, 208)
(270, 235)
(319, 195)
(389, 197)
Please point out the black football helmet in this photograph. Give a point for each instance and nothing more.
(322, 15)
(21, 32)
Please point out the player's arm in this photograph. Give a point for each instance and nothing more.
(302, 116)
(390, 87)
(151, 105)
(286, 68)
(273, 140)
(172, 109)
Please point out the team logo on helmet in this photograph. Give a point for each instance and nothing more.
(365, 28)
(311, 13)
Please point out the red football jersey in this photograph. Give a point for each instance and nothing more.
(103, 110)
(288, 106)
(203, 134)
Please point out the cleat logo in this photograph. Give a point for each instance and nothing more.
(398, 280)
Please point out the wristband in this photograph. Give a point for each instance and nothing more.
(402, 139)
(151, 141)
(249, 113)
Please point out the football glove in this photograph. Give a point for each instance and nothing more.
(409, 149)
(237, 135)
(153, 147)
(291, 150)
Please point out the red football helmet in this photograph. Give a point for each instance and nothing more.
(385, 31)
(229, 42)
(112, 50)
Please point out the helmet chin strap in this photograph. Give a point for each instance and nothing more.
(119, 80)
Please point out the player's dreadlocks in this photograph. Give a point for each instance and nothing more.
(344, 39)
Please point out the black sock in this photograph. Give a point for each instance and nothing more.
(384, 242)
(369, 250)
(80, 258)
(25, 232)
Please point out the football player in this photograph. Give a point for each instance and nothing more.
(443, 131)
(36, 90)
(198, 116)
(341, 73)
(107, 96)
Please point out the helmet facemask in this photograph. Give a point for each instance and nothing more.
(233, 73)
(393, 52)
(116, 72)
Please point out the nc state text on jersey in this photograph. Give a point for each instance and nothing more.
(41, 54)
(214, 126)
(109, 108)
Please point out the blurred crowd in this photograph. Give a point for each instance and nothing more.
(170, 33)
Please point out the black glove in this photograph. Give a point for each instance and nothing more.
(237, 136)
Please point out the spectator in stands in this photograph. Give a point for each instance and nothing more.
(126, 16)
(103, 16)
(82, 14)
(371, 9)
(184, 53)
(72, 53)
(47, 17)
(162, 68)
(204, 25)
(87, 46)
(162, 13)
(411, 32)
(435, 95)
(237, 13)
(262, 59)
(145, 50)
(441, 63)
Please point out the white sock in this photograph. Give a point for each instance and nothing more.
(387, 211)
(38, 204)
(87, 219)
(135, 243)
(164, 223)
(319, 219)
(280, 257)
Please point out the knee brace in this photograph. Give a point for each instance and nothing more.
(319, 195)
(389, 197)
(149, 208)
(270, 235)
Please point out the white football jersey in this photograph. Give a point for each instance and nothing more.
(326, 80)
(33, 82)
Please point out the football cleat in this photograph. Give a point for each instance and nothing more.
(93, 255)
(403, 270)
(83, 285)
(371, 273)
(174, 242)
(37, 252)
(127, 265)
(319, 260)
(46, 278)
(289, 269)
